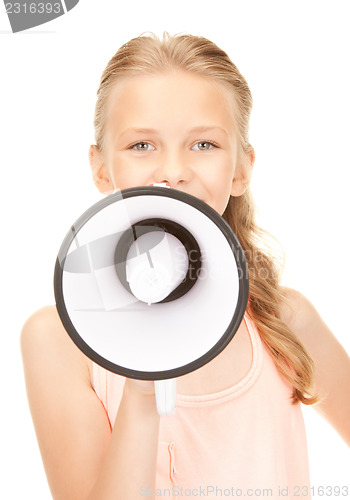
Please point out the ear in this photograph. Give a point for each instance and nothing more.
(99, 170)
(243, 173)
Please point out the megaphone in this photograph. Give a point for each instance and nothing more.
(151, 283)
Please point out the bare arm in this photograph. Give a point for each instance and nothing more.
(332, 363)
(83, 459)
(130, 461)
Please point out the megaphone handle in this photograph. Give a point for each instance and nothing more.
(165, 396)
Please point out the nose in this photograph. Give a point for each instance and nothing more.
(173, 170)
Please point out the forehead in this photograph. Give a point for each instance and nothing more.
(175, 98)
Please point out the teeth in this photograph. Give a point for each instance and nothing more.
(161, 184)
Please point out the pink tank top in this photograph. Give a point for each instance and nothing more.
(248, 440)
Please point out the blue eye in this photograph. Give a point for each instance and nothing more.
(142, 146)
(204, 146)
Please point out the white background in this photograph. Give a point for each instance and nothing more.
(295, 56)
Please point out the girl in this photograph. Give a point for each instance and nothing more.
(177, 110)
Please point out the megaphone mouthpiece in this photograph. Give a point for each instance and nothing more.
(155, 273)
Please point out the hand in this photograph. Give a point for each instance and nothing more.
(140, 394)
(139, 387)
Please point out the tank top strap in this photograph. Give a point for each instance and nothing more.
(243, 385)
(106, 383)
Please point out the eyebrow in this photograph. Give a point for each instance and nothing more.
(209, 128)
(139, 131)
(197, 130)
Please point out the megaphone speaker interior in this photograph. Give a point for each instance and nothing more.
(151, 283)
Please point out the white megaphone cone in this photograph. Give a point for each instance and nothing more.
(152, 275)
(151, 283)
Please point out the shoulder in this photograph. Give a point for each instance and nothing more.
(297, 312)
(70, 423)
(41, 319)
(331, 361)
(44, 341)
(43, 326)
(301, 316)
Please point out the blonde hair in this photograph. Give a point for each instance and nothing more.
(148, 55)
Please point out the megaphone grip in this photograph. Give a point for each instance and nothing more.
(165, 396)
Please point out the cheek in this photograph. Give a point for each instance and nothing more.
(125, 175)
(219, 185)
(220, 205)
(220, 176)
